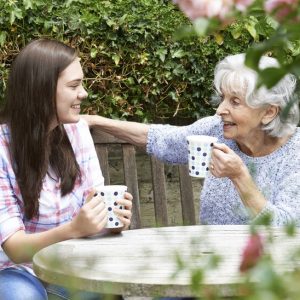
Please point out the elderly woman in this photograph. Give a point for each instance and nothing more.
(255, 166)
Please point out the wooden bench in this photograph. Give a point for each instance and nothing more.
(102, 143)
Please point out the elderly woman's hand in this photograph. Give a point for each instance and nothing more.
(226, 163)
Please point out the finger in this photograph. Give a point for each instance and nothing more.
(126, 222)
(222, 147)
(94, 202)
(123, 213)
(102, 223)
(128, 196)
(102, 215)
(90, 195)
(125, 202)
(99, 208)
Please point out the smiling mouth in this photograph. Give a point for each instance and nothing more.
(227, 125)
(76, 106)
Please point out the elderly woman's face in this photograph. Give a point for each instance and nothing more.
(240, 121)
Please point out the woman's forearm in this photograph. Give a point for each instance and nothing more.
(133, 132)
(21, 246)
(249, 193)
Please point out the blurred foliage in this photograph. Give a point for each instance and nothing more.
(135, 67)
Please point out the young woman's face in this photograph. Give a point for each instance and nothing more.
(70, 93)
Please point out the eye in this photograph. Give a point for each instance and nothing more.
(235, 101)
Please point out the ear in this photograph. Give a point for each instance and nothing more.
(270, 113)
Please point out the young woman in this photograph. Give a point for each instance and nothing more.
(48, 166)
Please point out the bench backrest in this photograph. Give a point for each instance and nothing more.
(102, 142)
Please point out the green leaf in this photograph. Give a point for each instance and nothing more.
(236, 32)
(270, 76)
(201, 26)
(15, 13)
(28, 4)
(93, 52)
(3, 36)
(253, 56)
(110, 22)
(251, 29)
(178, 53)
(116, 58)
(162, 52)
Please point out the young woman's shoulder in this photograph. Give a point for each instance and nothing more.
(78, 132)
(76, 128)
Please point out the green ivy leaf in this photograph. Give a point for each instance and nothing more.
(94, 52)
(178, 53)
(236, 32)
(201, 26)
(116, 58)
(28, 4)
(270, 76)
(162, 52)
(15, 13)
(3, 36)
(251, 29)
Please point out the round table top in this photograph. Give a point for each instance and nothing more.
(156, 261)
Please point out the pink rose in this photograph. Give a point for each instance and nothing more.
(194, 9)
(220, 9)
(281, 8)
(252, 252)
(242, 5)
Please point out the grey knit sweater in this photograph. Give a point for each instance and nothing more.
(277, 175)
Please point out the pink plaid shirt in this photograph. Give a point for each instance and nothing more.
(54, 209)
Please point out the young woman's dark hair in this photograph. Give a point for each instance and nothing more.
(29, 110)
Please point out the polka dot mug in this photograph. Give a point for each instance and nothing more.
(110, 194)
(199, 153)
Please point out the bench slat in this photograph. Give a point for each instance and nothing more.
(187, 197)
(159, 191)
(131, 180)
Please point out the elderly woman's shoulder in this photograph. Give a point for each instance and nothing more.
(296, 137)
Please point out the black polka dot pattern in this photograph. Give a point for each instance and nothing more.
(199, 157)
(110, 196)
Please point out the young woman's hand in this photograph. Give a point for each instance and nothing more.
(124, 214)
(91, 218)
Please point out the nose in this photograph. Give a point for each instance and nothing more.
(82, 94)
(222, 109)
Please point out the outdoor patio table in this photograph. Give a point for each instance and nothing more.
(144, 262)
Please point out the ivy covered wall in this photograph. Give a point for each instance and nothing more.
(134, 66)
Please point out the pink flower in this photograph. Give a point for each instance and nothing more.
(281, 8)
(252, 252)
(194, 9)
(220, 9)
(242, 5)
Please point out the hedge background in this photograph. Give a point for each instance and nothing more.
(134, 66)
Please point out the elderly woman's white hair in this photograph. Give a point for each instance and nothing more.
(233, 77)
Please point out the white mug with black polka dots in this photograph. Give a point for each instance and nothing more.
(110, 194)
(199, 153)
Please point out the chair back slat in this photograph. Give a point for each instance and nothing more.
(187, 197)
(102, 153)
(159, 191)
(131, 180)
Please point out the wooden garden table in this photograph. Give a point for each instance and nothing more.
(144, 262)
